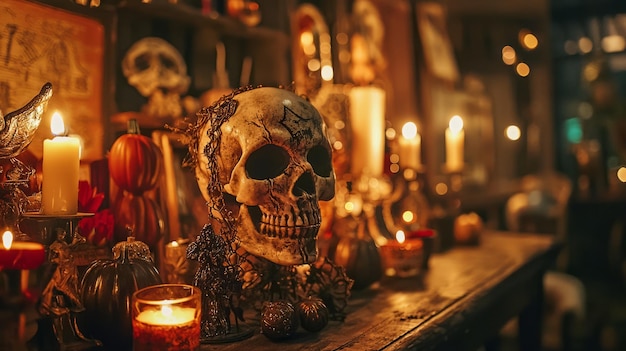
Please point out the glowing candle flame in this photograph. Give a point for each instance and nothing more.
(400, 236)
(166, 310)
(409, 130)
(7, 239)
(174, 243)
(456, 124)
(56, 124)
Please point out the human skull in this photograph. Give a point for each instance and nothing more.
(153, 63)
(274, 163)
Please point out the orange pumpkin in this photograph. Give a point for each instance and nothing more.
(135, 161)
(140, 213)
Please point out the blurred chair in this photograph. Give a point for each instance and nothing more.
(541, 207)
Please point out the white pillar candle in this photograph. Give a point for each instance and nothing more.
(367, 121)
(61, 162)
(409, 144)
(455, 140)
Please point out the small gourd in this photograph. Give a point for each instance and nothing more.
(313, 314)
(279, 320)
(135, 161)
(107, 288)
(141, 213)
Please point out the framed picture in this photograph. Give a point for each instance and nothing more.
(64, 44)
(436, 45)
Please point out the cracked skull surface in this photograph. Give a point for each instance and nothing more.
(273, 162)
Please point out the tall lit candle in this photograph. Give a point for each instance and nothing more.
(367, 121)
(61, 162)
(410, 146)
(455, 140)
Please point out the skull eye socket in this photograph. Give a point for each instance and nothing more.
(320, 160)
(168, 63)
(142, 62)
(267, 162)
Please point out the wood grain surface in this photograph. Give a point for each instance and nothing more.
(459, 303)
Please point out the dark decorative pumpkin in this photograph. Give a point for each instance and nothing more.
(279, 320)
(353, 248)
(313, 314)
(106, 291)
(135, 161)
(140, 213)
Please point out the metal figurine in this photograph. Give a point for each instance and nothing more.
(219, 282)
(60, 303)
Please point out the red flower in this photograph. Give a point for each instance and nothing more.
(98, 229)
(89, 199)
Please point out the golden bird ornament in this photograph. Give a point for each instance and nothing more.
(18, 128)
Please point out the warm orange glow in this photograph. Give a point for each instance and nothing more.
(394, 158)
(327, 73)
(7, 239)
(342, 38)
(306, 38)
(441, 188)
(313, 65)
(522, 69)
(621, 174)
(529, 41)
(585, 45)
(349, 206)
(613, 43)
(513, 132)
(508, 55)
(338, 145)
(408, 216)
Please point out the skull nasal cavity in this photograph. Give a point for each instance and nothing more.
(304, 184)
(267, 162)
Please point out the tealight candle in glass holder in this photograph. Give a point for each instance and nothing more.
(403, 257)
(166, 317)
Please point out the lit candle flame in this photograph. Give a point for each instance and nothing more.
(400, 236)
(174, 243)
(7, 239)
(166, 310)
(409, 130)
(56, 124)
(456, 124)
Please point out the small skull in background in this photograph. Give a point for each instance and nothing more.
(274, 164)
(158, 71)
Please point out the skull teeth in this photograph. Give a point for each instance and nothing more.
(305, 225)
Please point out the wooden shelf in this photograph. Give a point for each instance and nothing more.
(193, 16)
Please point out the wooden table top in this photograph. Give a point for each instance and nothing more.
(467, 294)
(468, 291)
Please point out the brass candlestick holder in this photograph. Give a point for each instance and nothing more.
(60, 305)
